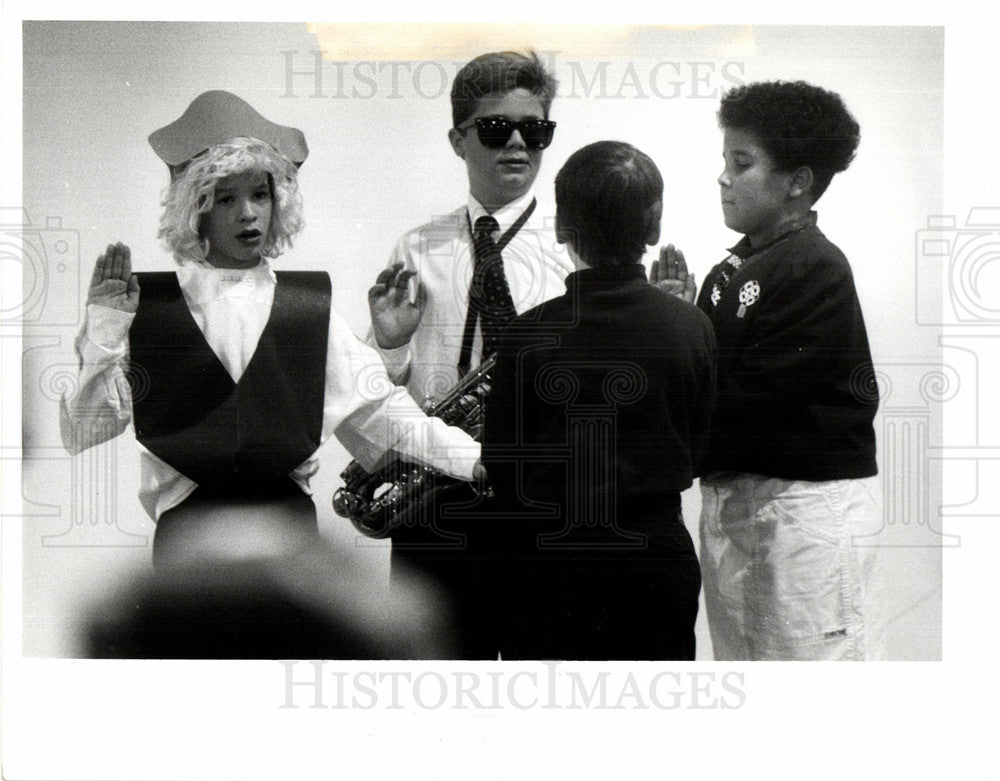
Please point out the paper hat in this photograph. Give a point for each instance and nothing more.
(215, 117)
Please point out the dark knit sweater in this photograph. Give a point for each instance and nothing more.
(601, 396)
(796, 388)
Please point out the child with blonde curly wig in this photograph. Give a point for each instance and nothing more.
(233, 374)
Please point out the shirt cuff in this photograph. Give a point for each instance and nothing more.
(396, 360)
(107, 327)
(463, 460)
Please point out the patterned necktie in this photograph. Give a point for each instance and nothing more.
(489, 293)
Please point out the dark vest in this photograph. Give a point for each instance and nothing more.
(188, 411)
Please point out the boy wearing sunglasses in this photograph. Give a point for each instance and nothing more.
(476, 269)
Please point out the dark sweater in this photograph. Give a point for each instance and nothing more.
(600, 396)
(796, 393)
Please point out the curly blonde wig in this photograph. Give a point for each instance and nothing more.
(191, 195)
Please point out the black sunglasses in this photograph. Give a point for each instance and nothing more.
(495, 132)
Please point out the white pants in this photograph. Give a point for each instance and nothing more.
(791, 568)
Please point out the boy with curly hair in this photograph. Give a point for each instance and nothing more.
(787, 489)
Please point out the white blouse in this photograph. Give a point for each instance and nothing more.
(362, 407)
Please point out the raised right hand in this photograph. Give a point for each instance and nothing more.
(394, 316)
(114, 285)
(670, 274)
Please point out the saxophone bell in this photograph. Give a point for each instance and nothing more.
(400, 492)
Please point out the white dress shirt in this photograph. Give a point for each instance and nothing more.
(442, 254)
(362, 408)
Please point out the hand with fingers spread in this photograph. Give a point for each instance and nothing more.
(394, 316)
(670, 274)
(114, 285)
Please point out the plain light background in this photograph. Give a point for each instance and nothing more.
(380, 163)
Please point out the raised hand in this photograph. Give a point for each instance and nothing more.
(394, 316)
(670, 274)
(114, 285)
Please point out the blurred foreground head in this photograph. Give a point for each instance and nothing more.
(315, 604)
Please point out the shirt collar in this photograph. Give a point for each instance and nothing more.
(743, 249)
(505, 216)
(202, 283)
(597, 277)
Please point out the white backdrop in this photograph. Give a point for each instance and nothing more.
(380, 163)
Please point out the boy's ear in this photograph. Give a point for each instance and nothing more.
(801, 181)
(654, 215)
(566, 234)
(457, 141)
(562, 235)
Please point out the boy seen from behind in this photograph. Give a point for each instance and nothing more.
(598, 419)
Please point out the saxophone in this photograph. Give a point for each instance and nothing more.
(378, 502)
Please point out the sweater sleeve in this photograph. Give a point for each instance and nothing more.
(501, 428)
(705, 404)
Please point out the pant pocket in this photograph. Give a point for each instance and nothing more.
(797, 581)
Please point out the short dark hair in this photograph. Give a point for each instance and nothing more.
(605, 198)
(498, 73)
(798, 124)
